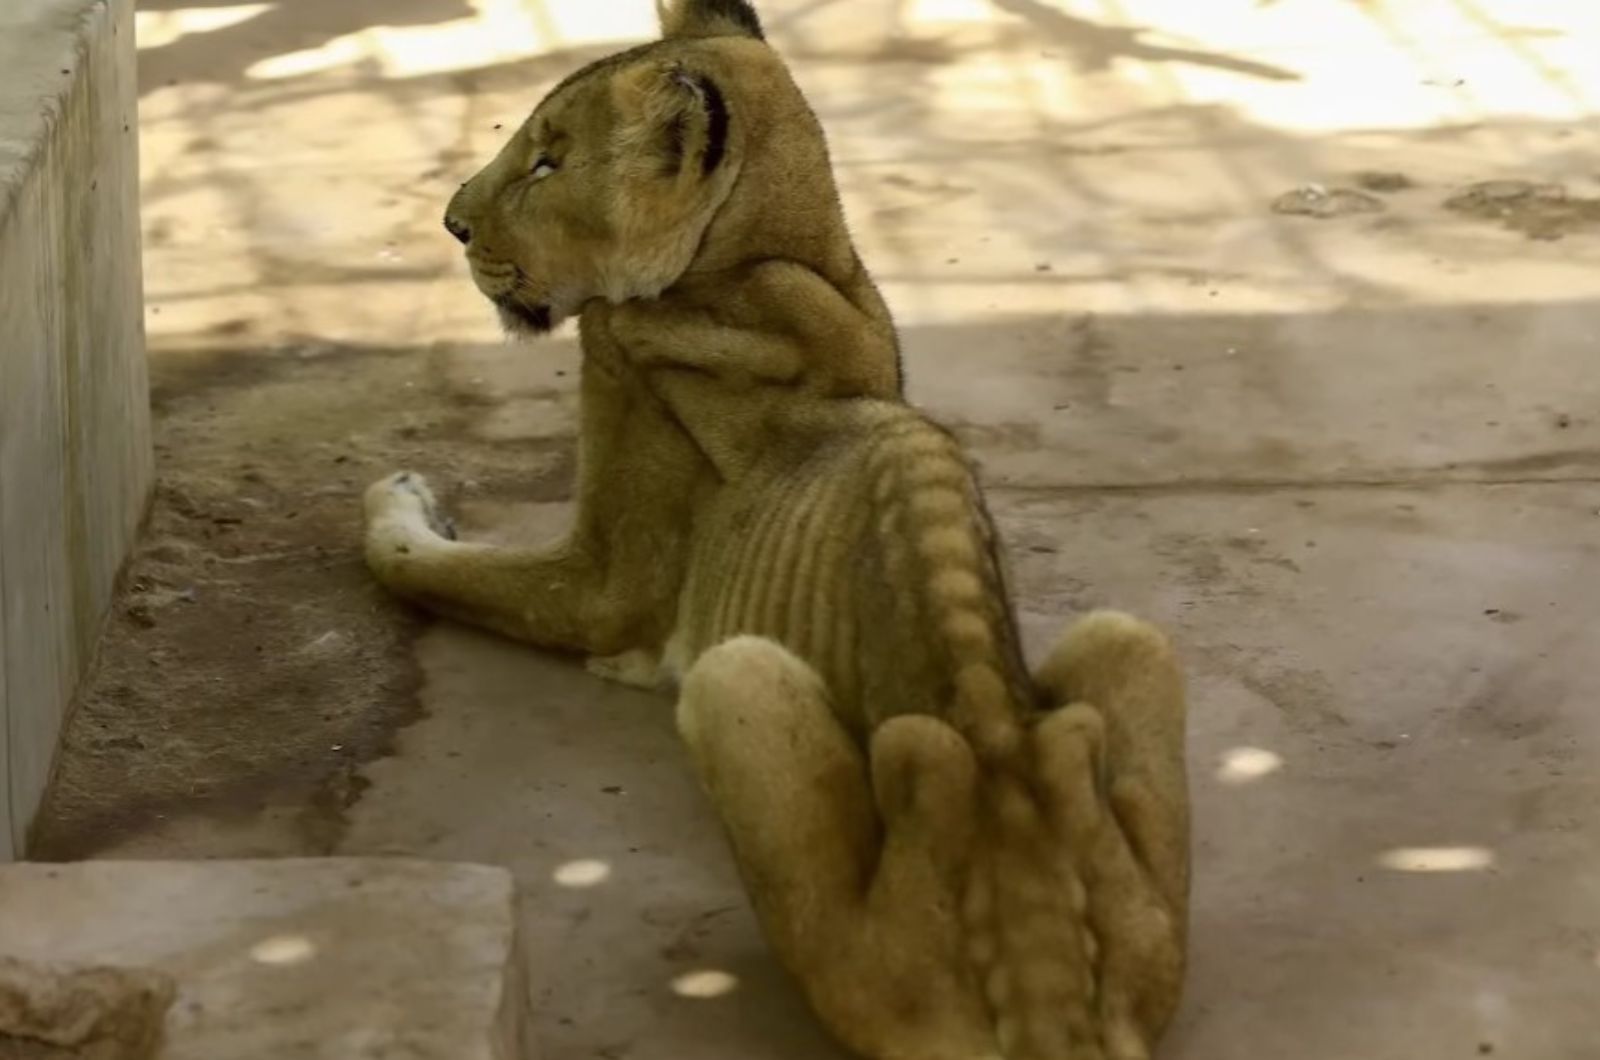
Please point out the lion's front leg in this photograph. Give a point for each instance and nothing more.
(611, 588)
(560, 598)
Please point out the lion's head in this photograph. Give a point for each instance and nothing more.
(696, 152)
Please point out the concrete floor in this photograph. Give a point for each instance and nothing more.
(1353, 463)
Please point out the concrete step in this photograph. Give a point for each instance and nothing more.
(334, 959)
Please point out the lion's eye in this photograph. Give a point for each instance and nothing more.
(543, 168)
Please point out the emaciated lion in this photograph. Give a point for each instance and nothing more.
(957, 859)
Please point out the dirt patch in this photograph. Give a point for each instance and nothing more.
(250, 666)
(1538, 211)
(1383, 181)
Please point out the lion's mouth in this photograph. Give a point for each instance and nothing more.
(522, 319)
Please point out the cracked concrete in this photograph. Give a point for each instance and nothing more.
(1352, 462)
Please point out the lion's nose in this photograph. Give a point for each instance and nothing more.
(457, 229)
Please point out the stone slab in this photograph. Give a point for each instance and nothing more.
(75, 455)
(293, 959)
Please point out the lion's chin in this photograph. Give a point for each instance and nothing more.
(519, 319)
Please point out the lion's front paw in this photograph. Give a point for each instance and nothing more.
(404, 502)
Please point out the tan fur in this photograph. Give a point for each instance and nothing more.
(955, 858)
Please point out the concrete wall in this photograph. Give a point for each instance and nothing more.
(75, 457)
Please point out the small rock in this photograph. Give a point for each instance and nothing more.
(1503, 193)
(64, 1013)
(1314, 200)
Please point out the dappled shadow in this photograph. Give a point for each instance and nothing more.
(251, 639)
(253, 679)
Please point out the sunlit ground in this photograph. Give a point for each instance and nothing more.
(704, 986)
(1438, 859)
(1116, 152)
(581, 875)
(283, 950)
(1244, 765)
(496, 31)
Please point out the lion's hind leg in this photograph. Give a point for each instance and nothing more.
(790, 784)
(1113, 757)
(1126, 670)
(844, 852)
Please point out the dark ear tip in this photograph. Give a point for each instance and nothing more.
(744, 14)
(713, 18)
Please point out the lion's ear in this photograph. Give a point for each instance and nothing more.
(676, 114)
(709, 18)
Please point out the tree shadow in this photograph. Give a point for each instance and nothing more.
(1095, 47)
(286, 26)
